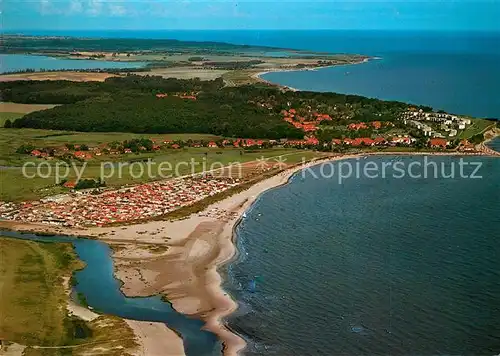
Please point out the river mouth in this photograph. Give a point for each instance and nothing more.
(97, 283)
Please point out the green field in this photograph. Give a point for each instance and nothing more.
(4, 116)
(33, 294)
(33, 304)
(15, 187)
(478, 126)
(11, 139)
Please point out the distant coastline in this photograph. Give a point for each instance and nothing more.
(259, 75)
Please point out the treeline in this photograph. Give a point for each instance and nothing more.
(129, 104)
(66, 92)
(147, 114)
(87, 70)
(16, 44)
(232, 65)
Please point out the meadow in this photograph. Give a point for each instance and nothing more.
(16, 187)
(478, 126)
(33, 312)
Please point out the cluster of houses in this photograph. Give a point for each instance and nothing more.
(402, 140)
(130, 204)
(105, 149)
(449, 124)
(300, 122)
(62, 151)
(377, 125)
(377, 141)
(190, 96)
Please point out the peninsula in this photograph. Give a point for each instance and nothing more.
(162, 169)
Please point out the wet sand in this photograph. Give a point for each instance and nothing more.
(185, 268)
(179, 259)
(155, 339)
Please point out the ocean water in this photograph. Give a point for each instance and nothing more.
(372, 266)
(17, 62)
(464, 84)
(455, 71)
(102, 292)
(495, 144)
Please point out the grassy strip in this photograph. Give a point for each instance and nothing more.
(34, 298)
(33, 304)
(478, 126)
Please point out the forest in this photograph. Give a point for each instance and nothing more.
(22, 44)
(130, 104)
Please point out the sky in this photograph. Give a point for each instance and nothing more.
(449, 15)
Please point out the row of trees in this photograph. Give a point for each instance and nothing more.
(129, 104)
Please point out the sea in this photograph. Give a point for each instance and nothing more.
(391, 265)
(372, 266)
(458, 72)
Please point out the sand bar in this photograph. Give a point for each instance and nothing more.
(180, 258)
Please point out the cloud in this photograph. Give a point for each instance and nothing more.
(94, 7)
(75, 7)
(117, 10)
(47, 8)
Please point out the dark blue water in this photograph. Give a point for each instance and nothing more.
(374, 43)
(495, 144)
(464, 84)
(102, 292)
(455, 71)
(372, 266)
(17, 62)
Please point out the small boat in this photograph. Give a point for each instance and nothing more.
(244, 216)
(252, 286)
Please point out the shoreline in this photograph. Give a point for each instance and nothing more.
(258, 76)
(187, 272)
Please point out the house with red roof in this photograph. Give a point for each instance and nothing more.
(190, 97)
(312, 140)
(36, 153)
(308, 127)
(379, 140)
(82, 155)
(364, 141)
(70, 185)
(296, 142)
(357, 127)
(438, 143)
(212, 144)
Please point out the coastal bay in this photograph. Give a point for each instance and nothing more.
(443, 81)
(186, 269)
(21, 62)
(218, 297)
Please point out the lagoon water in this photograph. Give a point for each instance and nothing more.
(372, 266)
(18, 62)
(102, 292)
(455, 71)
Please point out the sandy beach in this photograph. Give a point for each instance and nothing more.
(180, 259)
(258, 76)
